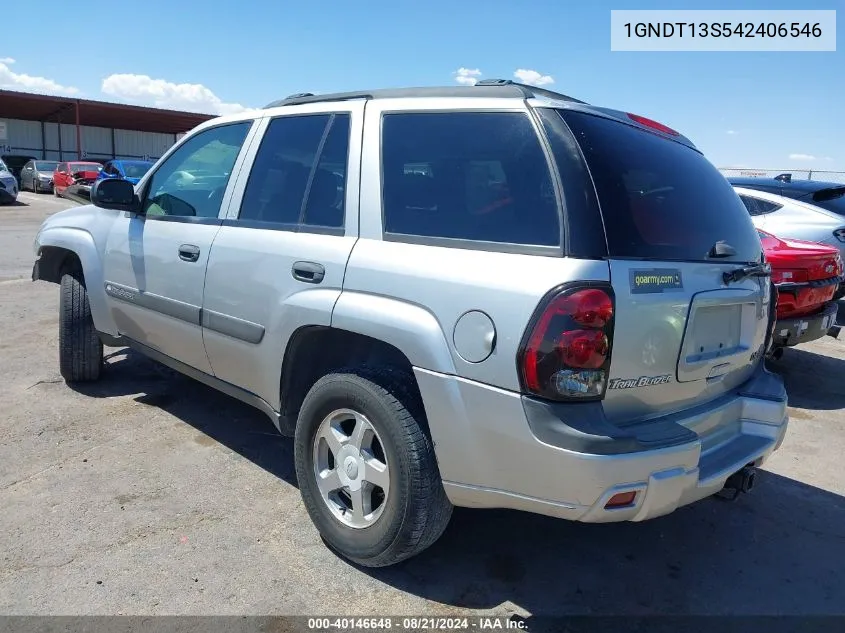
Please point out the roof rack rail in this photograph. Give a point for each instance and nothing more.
(528, 91)
(493, 82)
(309, 97)
(483, 88)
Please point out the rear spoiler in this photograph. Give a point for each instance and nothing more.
(829, 194)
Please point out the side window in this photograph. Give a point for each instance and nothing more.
(756, 206)
(767, 207)
(110, 169)
(299, 173)
(62, 167)
(750, 204)
(467, 175)
(192, 180)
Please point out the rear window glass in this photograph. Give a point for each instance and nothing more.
(660, 199)
(836, 205)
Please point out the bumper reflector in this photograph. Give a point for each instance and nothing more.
(621, 499)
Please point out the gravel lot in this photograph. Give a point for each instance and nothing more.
(148, 493)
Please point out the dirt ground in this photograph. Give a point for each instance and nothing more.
(149, 493)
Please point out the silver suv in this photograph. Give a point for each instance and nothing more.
(492, 296)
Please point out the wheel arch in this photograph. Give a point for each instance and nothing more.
(63, 247)
(314, 351)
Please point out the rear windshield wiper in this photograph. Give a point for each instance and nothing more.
(756, 270)
(721, 249)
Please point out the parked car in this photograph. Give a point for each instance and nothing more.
(806, 276)
(8, 185)
(129, 170)
(825, 194)
(794, 218)
(37, 175)
(15, 162)
(75, 178)
(427, 342)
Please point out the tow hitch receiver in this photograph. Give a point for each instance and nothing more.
(741, 481)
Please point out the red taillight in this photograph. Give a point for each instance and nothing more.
(652, 124)
(583, 349)
(566, 353)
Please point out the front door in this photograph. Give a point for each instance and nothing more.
(154, 264)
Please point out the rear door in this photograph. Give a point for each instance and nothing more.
(278, 261)
(674, 227)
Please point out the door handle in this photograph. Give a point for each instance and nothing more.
(189, 252)
(309, 272)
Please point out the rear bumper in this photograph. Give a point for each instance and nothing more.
(793, 331)
(496, 449)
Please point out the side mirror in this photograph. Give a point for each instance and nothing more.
(119, 195)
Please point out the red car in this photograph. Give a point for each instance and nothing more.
(806, 275)
(75, 177)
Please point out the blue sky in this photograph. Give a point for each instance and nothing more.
(773, 110)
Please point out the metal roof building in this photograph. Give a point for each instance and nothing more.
(65, 128)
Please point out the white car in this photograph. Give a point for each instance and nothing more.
(793, 219)
(8, 185)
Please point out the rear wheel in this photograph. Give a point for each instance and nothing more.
(366, 467)
(80, 347)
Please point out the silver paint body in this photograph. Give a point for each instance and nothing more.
(797, 220)
(458, 315)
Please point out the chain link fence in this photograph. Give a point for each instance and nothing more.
(797, 174)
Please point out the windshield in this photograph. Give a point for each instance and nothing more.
(136, 170)
(46, 165)
(3, 166)
(75, 167)
(660, 199)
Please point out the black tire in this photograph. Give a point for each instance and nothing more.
(80, 347)
(416, 510)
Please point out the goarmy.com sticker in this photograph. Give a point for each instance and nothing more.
(656, 280)
(642, 381)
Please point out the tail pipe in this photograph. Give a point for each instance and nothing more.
(743, 480)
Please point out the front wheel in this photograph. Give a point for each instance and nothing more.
(80, 347)
(366, 467)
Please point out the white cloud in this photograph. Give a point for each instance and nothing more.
(28, 83)
(532, 77)
(802, 157)
(7, 60)
(145, 90)
(467, 76)
(731, 132)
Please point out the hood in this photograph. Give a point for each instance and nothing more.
(134, 181)
(5, 173)
(75, 218)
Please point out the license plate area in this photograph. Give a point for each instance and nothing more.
(720, 334)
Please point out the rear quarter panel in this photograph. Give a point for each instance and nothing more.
(444, 284)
